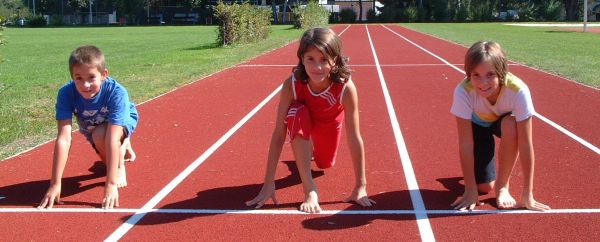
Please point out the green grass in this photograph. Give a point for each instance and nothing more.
(574, 55)
(148, 61)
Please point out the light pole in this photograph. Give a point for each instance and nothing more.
(90, 3)
(33, 7)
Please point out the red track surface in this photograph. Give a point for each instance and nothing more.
(177, 128)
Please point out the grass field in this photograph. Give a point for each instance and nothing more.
(574, 55)
(148, 61)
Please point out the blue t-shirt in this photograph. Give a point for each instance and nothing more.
(111, 105)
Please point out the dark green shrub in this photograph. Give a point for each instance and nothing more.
(56, 20)
(481, 11)
(241, 23)
(412, 14)
(527, 12)
(36, 21)
(462, 13)
(347, 15)
(309, 16)
(372, 16)
(553, 10)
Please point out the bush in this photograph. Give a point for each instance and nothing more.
(56, 20)
(372, 16)
(481, 11)
(527, 12)
(241, 23)
(412, 14)
(462, 13)
(309, 16)
(347, 15)
(36, 21)
(552, 10)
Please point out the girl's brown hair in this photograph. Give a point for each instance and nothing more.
(484, 51)
(326, 41)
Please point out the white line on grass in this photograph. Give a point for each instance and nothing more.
(548, 121)
(411, 180)
(116, 235)
(292, 212)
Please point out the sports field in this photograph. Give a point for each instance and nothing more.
(202, 149)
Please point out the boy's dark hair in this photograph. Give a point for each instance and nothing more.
(326, 41)
(87, 55)
(484, 51)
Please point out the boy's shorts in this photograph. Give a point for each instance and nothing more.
(325, 136)
(484, 150)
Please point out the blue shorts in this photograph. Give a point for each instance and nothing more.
(484, 150)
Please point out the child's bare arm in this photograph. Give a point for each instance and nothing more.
(114, 134)
(356, 146)
(527, 158)
(59, 160)
(275, 147)
(467, 163)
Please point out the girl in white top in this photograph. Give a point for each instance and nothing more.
(492, 101)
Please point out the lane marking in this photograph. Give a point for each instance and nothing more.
(362, 65)
(291, 212)
(546, 120)
(413, 187)
(117, 234)
(135, 218)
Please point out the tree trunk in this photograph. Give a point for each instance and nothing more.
(571, 7)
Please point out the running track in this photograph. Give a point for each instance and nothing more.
(202, 151)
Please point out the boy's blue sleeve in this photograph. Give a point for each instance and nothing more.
(119, 107)
(64, 103)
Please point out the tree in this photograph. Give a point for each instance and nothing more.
(572, 9)
(13, 9)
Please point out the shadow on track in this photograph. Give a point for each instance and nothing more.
(31, 193)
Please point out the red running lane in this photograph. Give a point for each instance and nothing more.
(234, 174)
(422, 97)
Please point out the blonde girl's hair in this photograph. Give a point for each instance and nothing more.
(87, 55)
(326, 41)
(487, 51)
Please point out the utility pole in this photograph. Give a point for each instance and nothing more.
(90, 3)
(585, 15)
(33, 7)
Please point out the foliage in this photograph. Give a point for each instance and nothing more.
(311, 15)
(36, 21)
(241, 23)
(527, 11)
(371, 16)
(348, 15)
(553, 10)
(11, 10)
(412, 14)
(481, 11)
(462, 13)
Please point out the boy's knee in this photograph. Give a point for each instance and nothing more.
(98, 134)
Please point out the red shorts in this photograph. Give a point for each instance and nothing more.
(325, 136)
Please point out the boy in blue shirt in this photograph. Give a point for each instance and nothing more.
(106, 117)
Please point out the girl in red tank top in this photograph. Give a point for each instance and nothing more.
(314, 102)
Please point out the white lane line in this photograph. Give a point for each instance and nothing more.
(361, 65)
(548, 121)
(413, 186)
(291, 212)
(117, 234)
(125, 227)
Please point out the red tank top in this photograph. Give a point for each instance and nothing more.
(324, 107)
